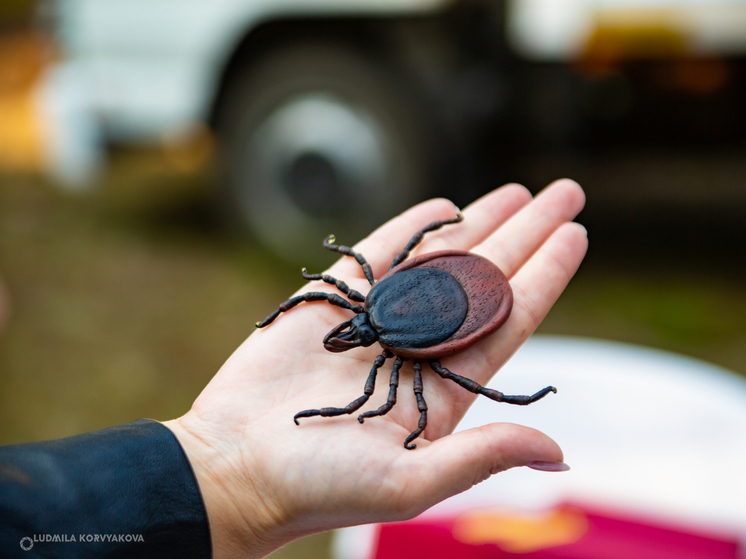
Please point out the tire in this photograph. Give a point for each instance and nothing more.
(318, 140)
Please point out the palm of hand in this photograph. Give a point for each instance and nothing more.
(332, 472)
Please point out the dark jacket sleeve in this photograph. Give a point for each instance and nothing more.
(126, 491)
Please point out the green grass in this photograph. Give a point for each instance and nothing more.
(119, 310)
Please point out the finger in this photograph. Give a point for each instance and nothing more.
(481, 218)
(380, 247)
(536, 287)
(457, 462)
(522, 235)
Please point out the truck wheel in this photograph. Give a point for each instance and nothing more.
(318, 140)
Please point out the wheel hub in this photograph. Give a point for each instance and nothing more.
(313, 184)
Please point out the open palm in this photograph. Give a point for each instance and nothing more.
(266, 480)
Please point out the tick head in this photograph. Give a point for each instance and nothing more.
(356, 332)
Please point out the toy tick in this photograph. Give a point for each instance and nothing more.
(429, 307)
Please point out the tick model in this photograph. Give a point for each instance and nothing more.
(429, 307)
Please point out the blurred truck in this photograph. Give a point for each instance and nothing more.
(332, 115)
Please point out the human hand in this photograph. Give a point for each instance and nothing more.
(266, 481)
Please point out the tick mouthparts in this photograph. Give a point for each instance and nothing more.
(338, 340)
(353, 333)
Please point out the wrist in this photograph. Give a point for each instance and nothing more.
(243, 523)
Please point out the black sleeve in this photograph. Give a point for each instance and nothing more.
(126, 491)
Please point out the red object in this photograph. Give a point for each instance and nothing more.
(568, 532)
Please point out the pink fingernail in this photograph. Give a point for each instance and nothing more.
(548, 466)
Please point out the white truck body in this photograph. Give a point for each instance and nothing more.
(137, 71)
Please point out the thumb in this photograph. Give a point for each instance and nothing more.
(455, 463)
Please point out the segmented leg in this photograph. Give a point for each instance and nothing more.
(421, 405)
(339, 284)
(404, 253)
(347, 251)
(331, 298)
(393, 385)
(352, 406)
(476, 388)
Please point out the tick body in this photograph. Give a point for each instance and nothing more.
(423, 308)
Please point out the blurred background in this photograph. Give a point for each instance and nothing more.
(167, 166)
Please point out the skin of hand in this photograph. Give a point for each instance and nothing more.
(266, 481)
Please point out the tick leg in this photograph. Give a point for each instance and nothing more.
(393, 385)
(331, 298)
(370, 385)
(404, 253)
(495, 395)
(339, 284)
(421, 405)
(347, 251)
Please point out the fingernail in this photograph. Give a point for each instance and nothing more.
(548, 466)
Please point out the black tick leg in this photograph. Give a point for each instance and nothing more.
(370, 385)
(352, 295)
(347, 251)
(421, 406)
(393, 385)
(495, 395)
(331, 298)
(414, 241)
